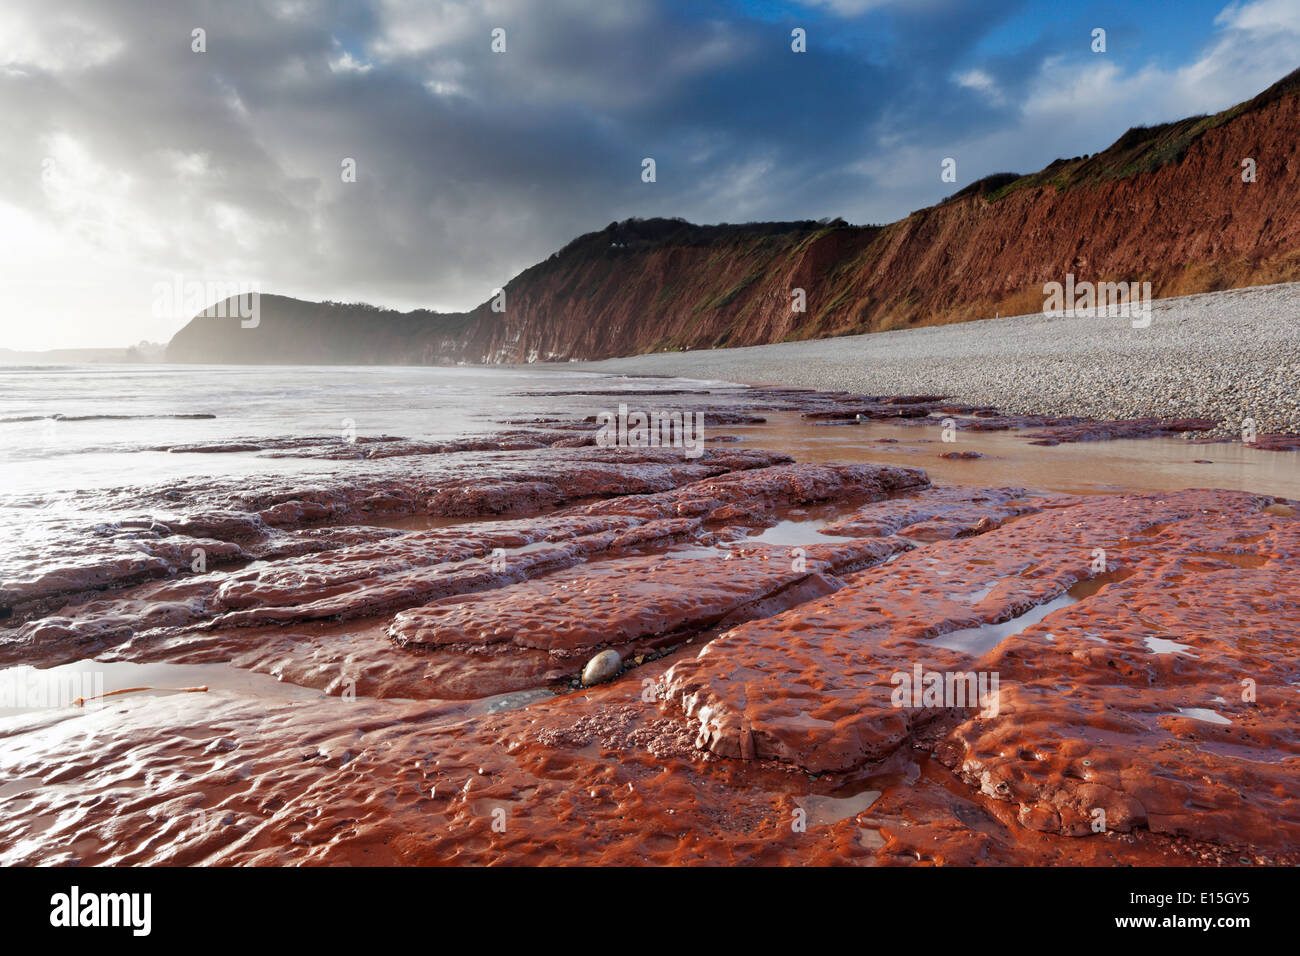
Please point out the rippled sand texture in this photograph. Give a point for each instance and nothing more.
(428, 709)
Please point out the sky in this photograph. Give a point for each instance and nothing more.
(137, 166)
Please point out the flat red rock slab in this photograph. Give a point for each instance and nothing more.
(115, 538)
(118, 537)
(612, 603)
(1279, 442)
(935, 513)
(388, 573)
(737, 496)
(634, 604)
(1167, 700)
(1122, 428)
(814, 686)
(875, 411)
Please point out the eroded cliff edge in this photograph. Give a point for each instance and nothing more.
(1166, 204)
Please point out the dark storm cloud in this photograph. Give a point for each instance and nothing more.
(470, 164)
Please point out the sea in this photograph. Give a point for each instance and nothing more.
(80, 428)
(84, 427)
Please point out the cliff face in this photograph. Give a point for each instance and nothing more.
(1166, 205)
(285, 331)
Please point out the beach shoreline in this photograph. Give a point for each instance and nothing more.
(1228, 356)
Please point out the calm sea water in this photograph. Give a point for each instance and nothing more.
(70, 428)
(92, 426)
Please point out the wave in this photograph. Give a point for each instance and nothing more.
(96, 418)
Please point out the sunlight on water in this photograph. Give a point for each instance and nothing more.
(112, 415)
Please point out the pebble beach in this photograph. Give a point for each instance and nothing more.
(1222, 355)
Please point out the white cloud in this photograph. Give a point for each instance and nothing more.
(1255, 46)
(347, 64)
(979, 80)
(411, 27)
(855, 8)
(1261, 16)
(55, 43)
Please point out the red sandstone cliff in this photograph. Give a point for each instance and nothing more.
(1164, 204)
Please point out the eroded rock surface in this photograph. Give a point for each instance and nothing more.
(86, 543)
(1125, 672)
(433, 608)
